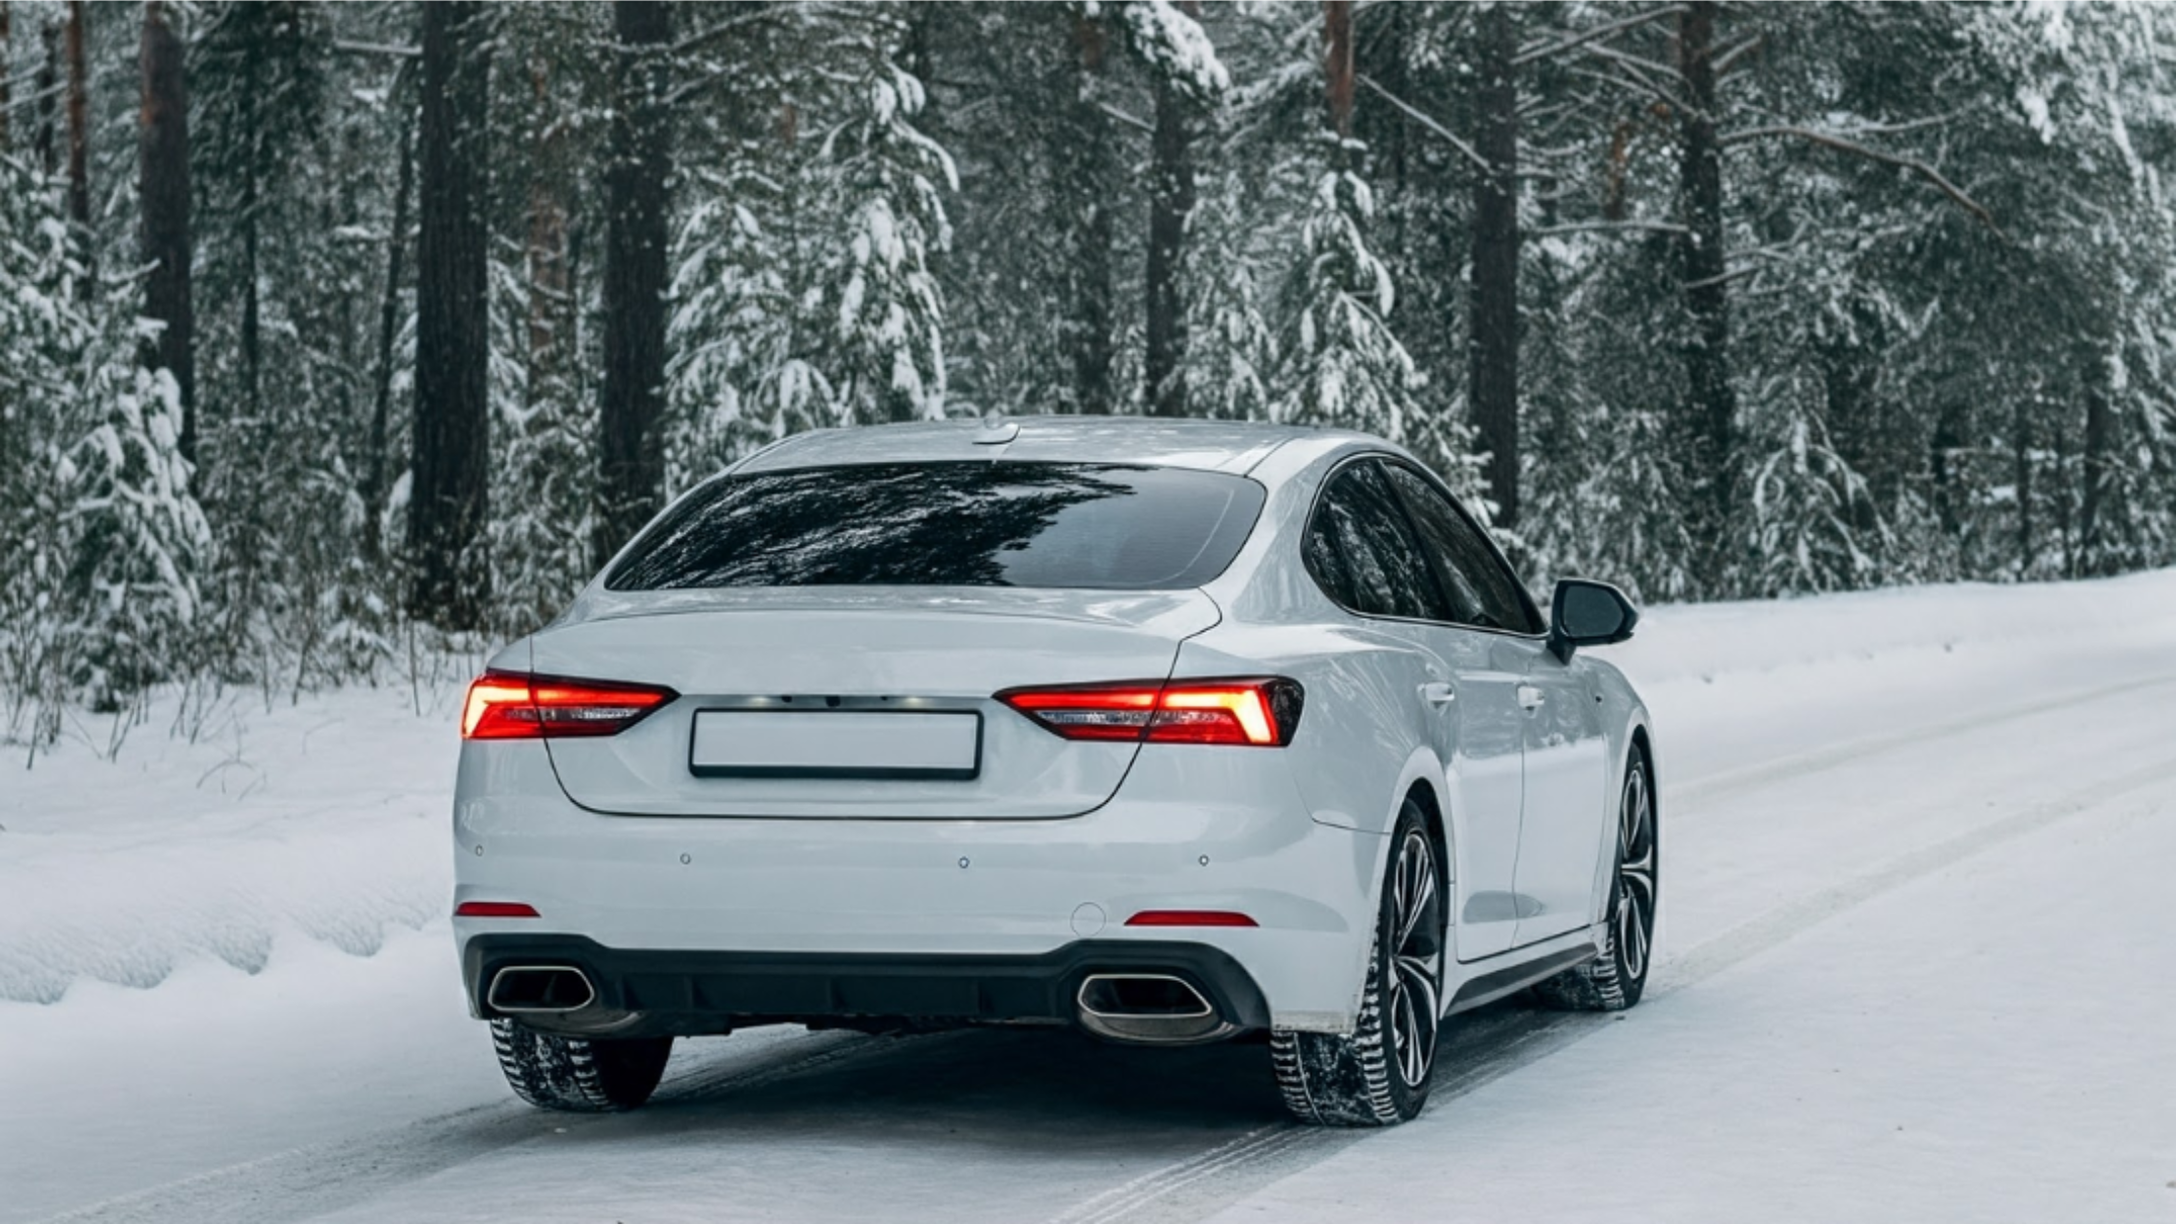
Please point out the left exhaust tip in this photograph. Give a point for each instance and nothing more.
(519, 989)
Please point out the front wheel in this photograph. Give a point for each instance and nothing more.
(1380, 1073)
(579, 1074)
(1614, 980)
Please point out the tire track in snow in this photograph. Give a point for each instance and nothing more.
(310, 1181)
(1783, 769)
(1777, 925)
(1194, 1188)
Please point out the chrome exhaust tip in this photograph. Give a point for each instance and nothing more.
(539, 989)
(1148, 1009)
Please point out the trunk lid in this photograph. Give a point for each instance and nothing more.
(760, 670)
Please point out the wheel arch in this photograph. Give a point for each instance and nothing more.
(1439, 826)
(1638, 740)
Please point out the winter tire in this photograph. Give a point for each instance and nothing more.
(1380, 1073)
(1614, 980)
(579, 1074)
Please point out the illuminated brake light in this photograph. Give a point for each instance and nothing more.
(1190, 918)
(494, 909)
(509, 705)
(1261, 713)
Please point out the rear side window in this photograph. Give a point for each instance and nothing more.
(985, 523)
(1363, 552)
(1481, 589)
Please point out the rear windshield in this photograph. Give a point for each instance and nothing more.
(1096, 526)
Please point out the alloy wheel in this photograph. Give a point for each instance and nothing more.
(1635, 874)
(1416, 958)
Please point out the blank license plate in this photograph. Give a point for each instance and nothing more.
(836, 744)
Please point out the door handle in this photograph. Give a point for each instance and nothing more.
(1438, 694)
(1530, 697)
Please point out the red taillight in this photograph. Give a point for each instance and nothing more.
(1259, 712)
(1190, 918)
(494, 909)
(509, 705)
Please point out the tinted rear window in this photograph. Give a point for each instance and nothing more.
(1095, 526)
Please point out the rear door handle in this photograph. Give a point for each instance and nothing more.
(1438, 694)
(1530, 697)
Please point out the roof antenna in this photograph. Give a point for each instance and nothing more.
(996, 430)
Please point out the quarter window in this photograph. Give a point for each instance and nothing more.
(1363, 553)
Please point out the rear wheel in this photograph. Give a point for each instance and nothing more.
(579, 1074)
(1614, 980)
(1380, 1073)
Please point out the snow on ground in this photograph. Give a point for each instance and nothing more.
(324, 819)
(1915, 849)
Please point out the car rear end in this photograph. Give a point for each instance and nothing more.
(876, 743)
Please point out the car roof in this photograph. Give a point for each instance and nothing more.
(1217, 446)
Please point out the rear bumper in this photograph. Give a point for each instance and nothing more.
(653, 992)
(856, 902)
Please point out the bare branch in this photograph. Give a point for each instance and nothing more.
(1605, 227)
(1724, 279)
(19, 101)
(1614, 28)
(1125, 117)
(727, 26)
(1629, 60)
(1426, 122)
(363, 48)
(1637, 79)
(1913, 164)
(1722, 62)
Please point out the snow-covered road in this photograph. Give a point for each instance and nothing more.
(1916, 966)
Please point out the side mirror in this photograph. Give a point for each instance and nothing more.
(1587, 613)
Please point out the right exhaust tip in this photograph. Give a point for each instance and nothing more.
(1148, 1009)
(534, 989)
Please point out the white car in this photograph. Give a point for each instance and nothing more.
(1172, 732)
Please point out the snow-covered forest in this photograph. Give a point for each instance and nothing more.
(326, 326)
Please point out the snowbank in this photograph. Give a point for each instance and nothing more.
(324, 819)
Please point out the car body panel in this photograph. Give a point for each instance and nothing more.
(1569, 791)
(863, 648)
(1193, 828)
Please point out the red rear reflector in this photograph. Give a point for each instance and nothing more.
(510, 705)
(1190, 918)
(494, 909)
(1258, 712)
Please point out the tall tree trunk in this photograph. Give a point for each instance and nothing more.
(396, 249)
(1085, 169)
(1171, 203)
(547, 242)
(1713, 407)
(162, 186)
(1494, 338)
(631, 444)
(44, 139)
(79, 144)
(2021, 456)
(449, 498)
(1337, 63)
(2095, 465)
(7, 97)
(252, 337)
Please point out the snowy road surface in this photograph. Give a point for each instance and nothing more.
(1916, 966)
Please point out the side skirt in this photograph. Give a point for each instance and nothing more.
(1489, 980)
